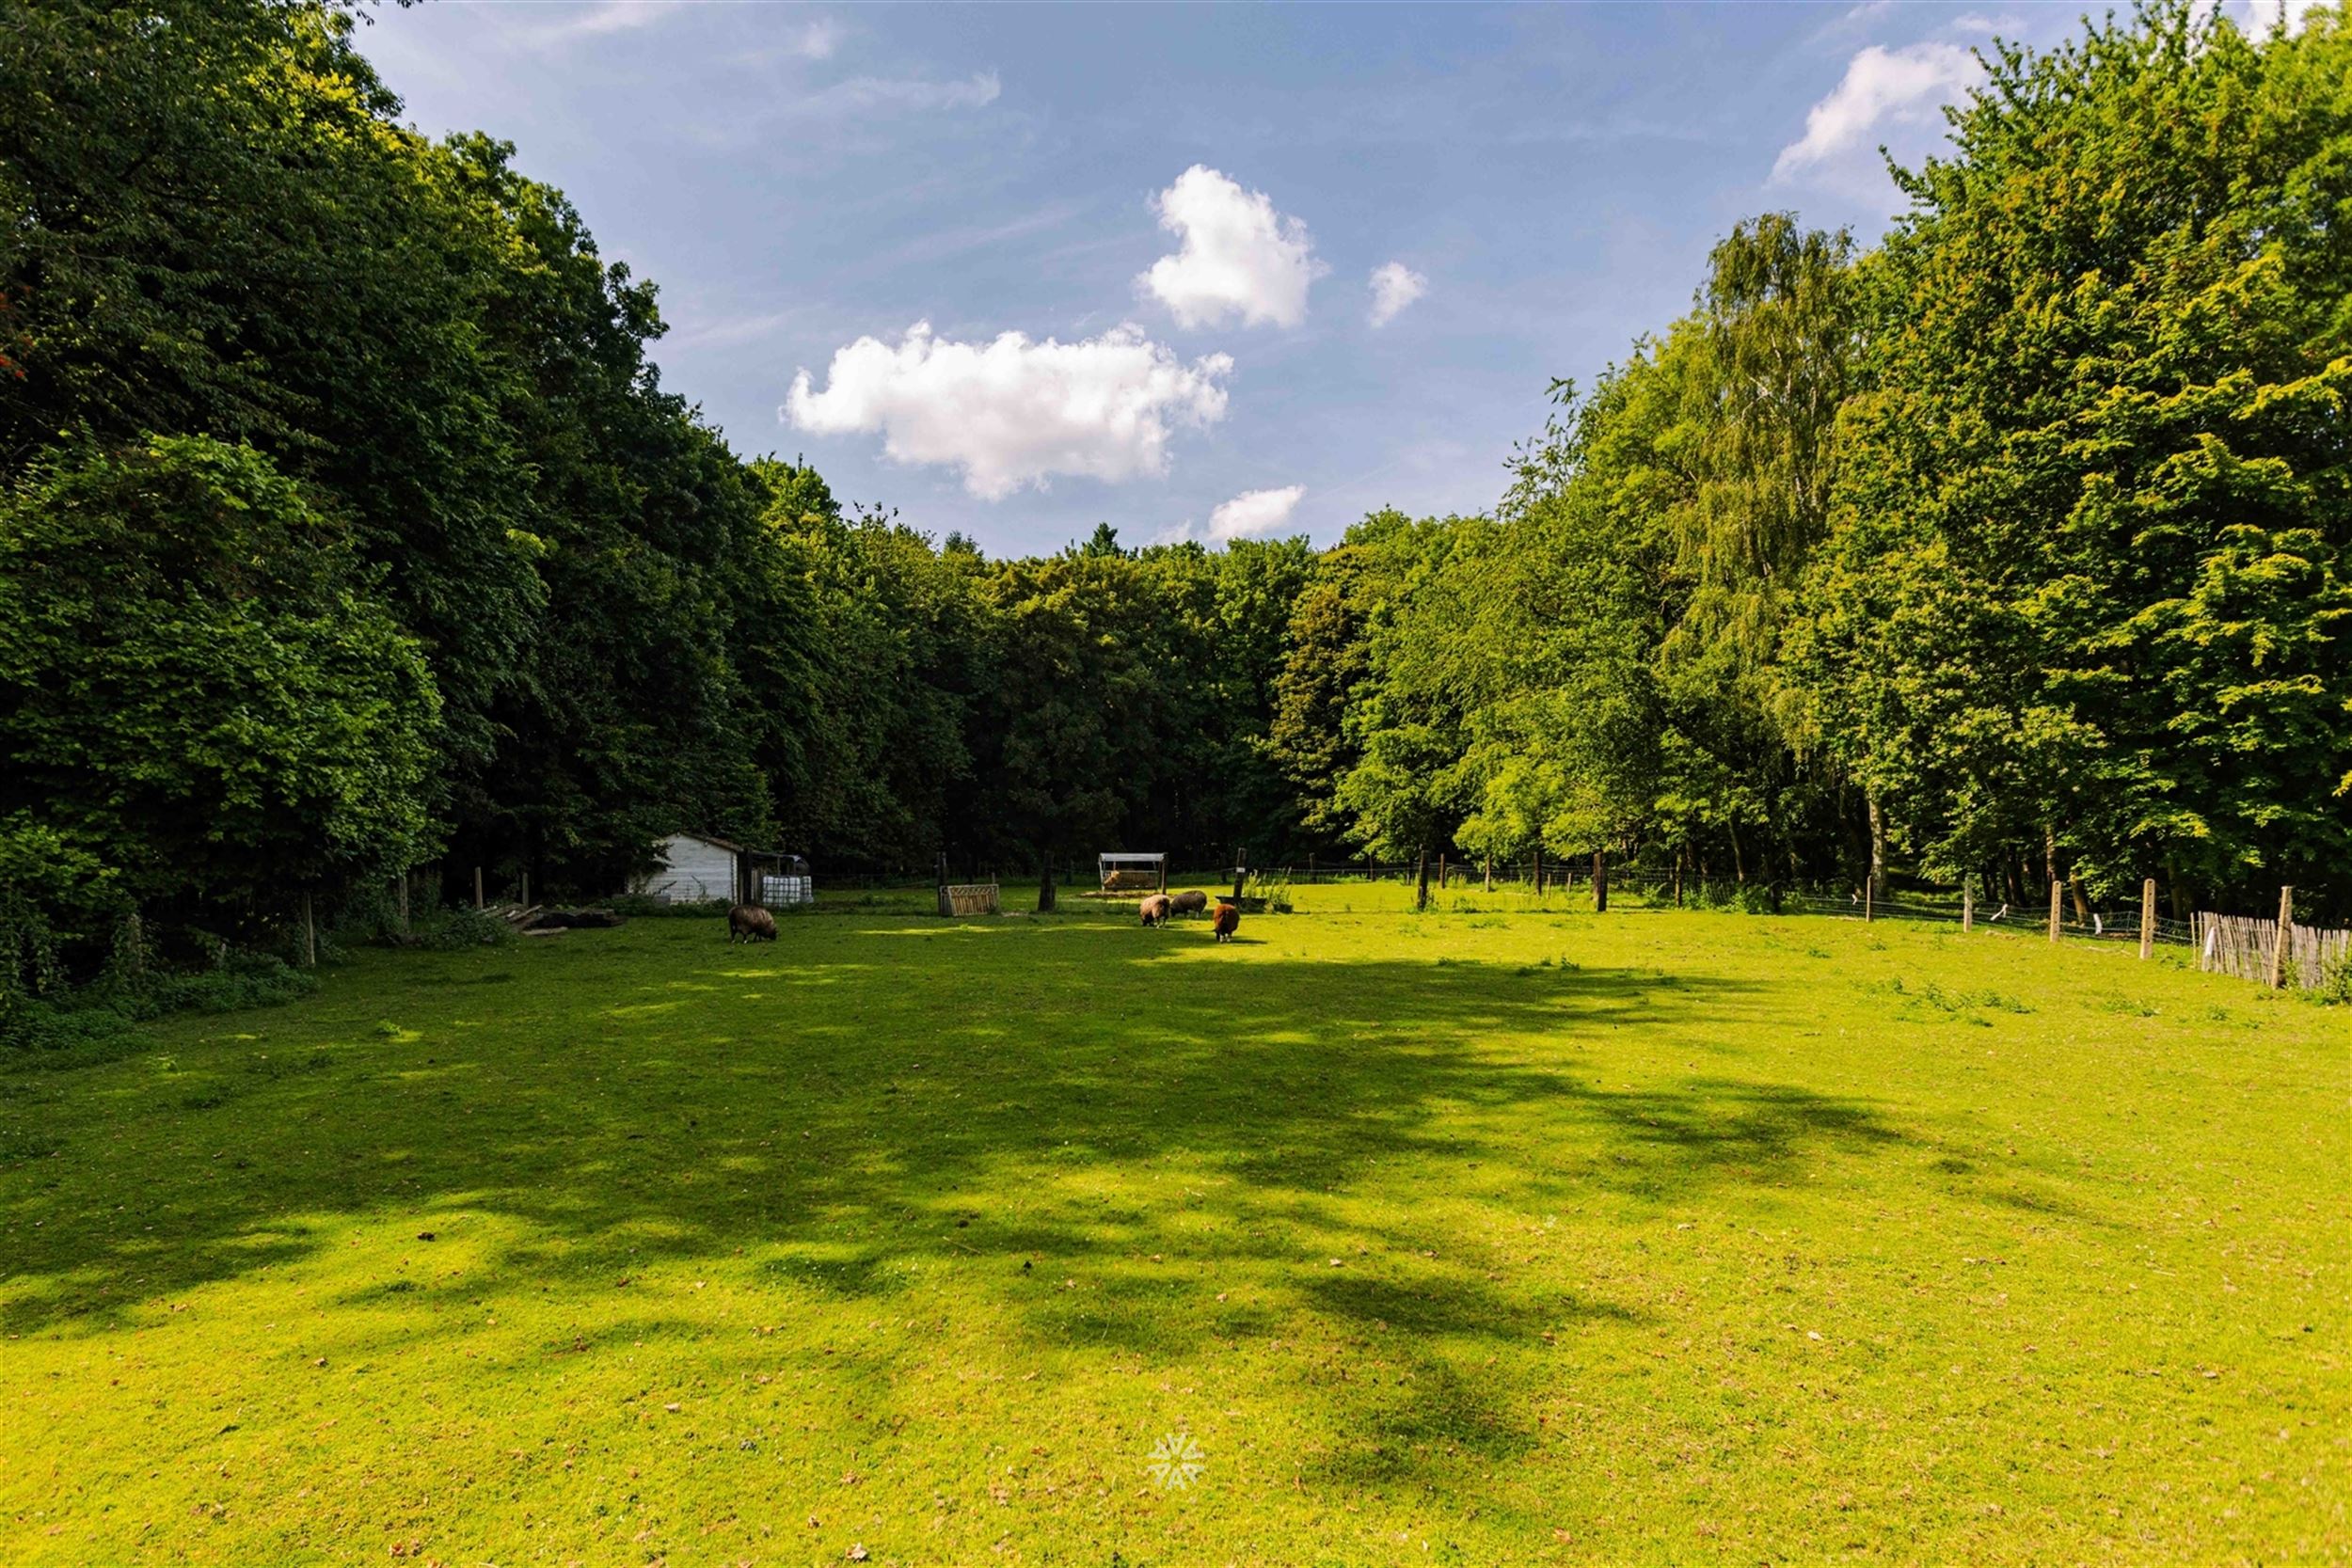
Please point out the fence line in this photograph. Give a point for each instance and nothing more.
(2246, 946)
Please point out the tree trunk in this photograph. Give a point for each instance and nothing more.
(1877, 846)
(1421, 891)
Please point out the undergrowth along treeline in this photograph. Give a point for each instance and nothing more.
(347, 528)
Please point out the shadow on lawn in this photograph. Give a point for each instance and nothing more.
(1077, 1097)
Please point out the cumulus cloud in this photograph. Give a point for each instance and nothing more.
(1881, 86)
(1394, 287)
(1012, 412)
(1239, 258)
(1254, 513)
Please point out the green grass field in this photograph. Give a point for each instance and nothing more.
(1494, 1236)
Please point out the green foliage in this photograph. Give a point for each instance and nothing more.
(206, 707)
(2102, 469)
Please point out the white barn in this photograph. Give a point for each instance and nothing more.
(703, 868)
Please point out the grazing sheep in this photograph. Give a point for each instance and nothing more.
(750, 923)
(1193, 902)
(1155, 910)
(1228, 922)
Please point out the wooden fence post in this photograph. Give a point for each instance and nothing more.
(1600, 883)
(2278, 946)
(2058, 891)
(1311, 867)
(2147, 917)
(1967, 904)
(477, 887)
(1241, 874)
(1440, 871)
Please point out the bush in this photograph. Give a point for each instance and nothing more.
(636, 904)
(453, 929)
(1275, 890)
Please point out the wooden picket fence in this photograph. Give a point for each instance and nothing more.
(2244, 945)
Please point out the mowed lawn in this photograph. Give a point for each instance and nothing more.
(1476, 1237)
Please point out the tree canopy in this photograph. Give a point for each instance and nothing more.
(346, 529)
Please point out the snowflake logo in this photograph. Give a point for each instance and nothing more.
(1176, 1462)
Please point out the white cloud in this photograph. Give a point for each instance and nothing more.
(1394, 287)
(1254, 513)
(818, 40)
(611, 16)
(2266, 14)
(881, 95)
(1881, 86)
(1011, 412)
(1239, 257)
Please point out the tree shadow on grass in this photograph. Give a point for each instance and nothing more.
(1017, 1108)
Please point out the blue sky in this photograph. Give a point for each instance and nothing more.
(1181, 214)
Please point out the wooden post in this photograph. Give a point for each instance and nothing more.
(310, 935)
(1967, 904)
(1600, 883)
(477, 887)
(2277, 948)
(527, 892)
(1163, 873)
(1311, 867)
(1421, 875)
(2058, 891)
(2147, 917)
(1440, 871)
(1241, 874)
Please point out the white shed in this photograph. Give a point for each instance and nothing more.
(694, 868)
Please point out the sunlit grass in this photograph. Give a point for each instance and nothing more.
(1488, 1236)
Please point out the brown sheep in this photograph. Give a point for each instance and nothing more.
(1155, 910)
(1228, 922)
(750, 923)
(1193, 902)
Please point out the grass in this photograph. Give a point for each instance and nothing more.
(1493, 1236)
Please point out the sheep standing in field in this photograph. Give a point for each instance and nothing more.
(1228, 922)
(1155, 910)
(750, 923)
(1193, 902)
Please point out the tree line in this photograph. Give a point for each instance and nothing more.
(348, 528)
